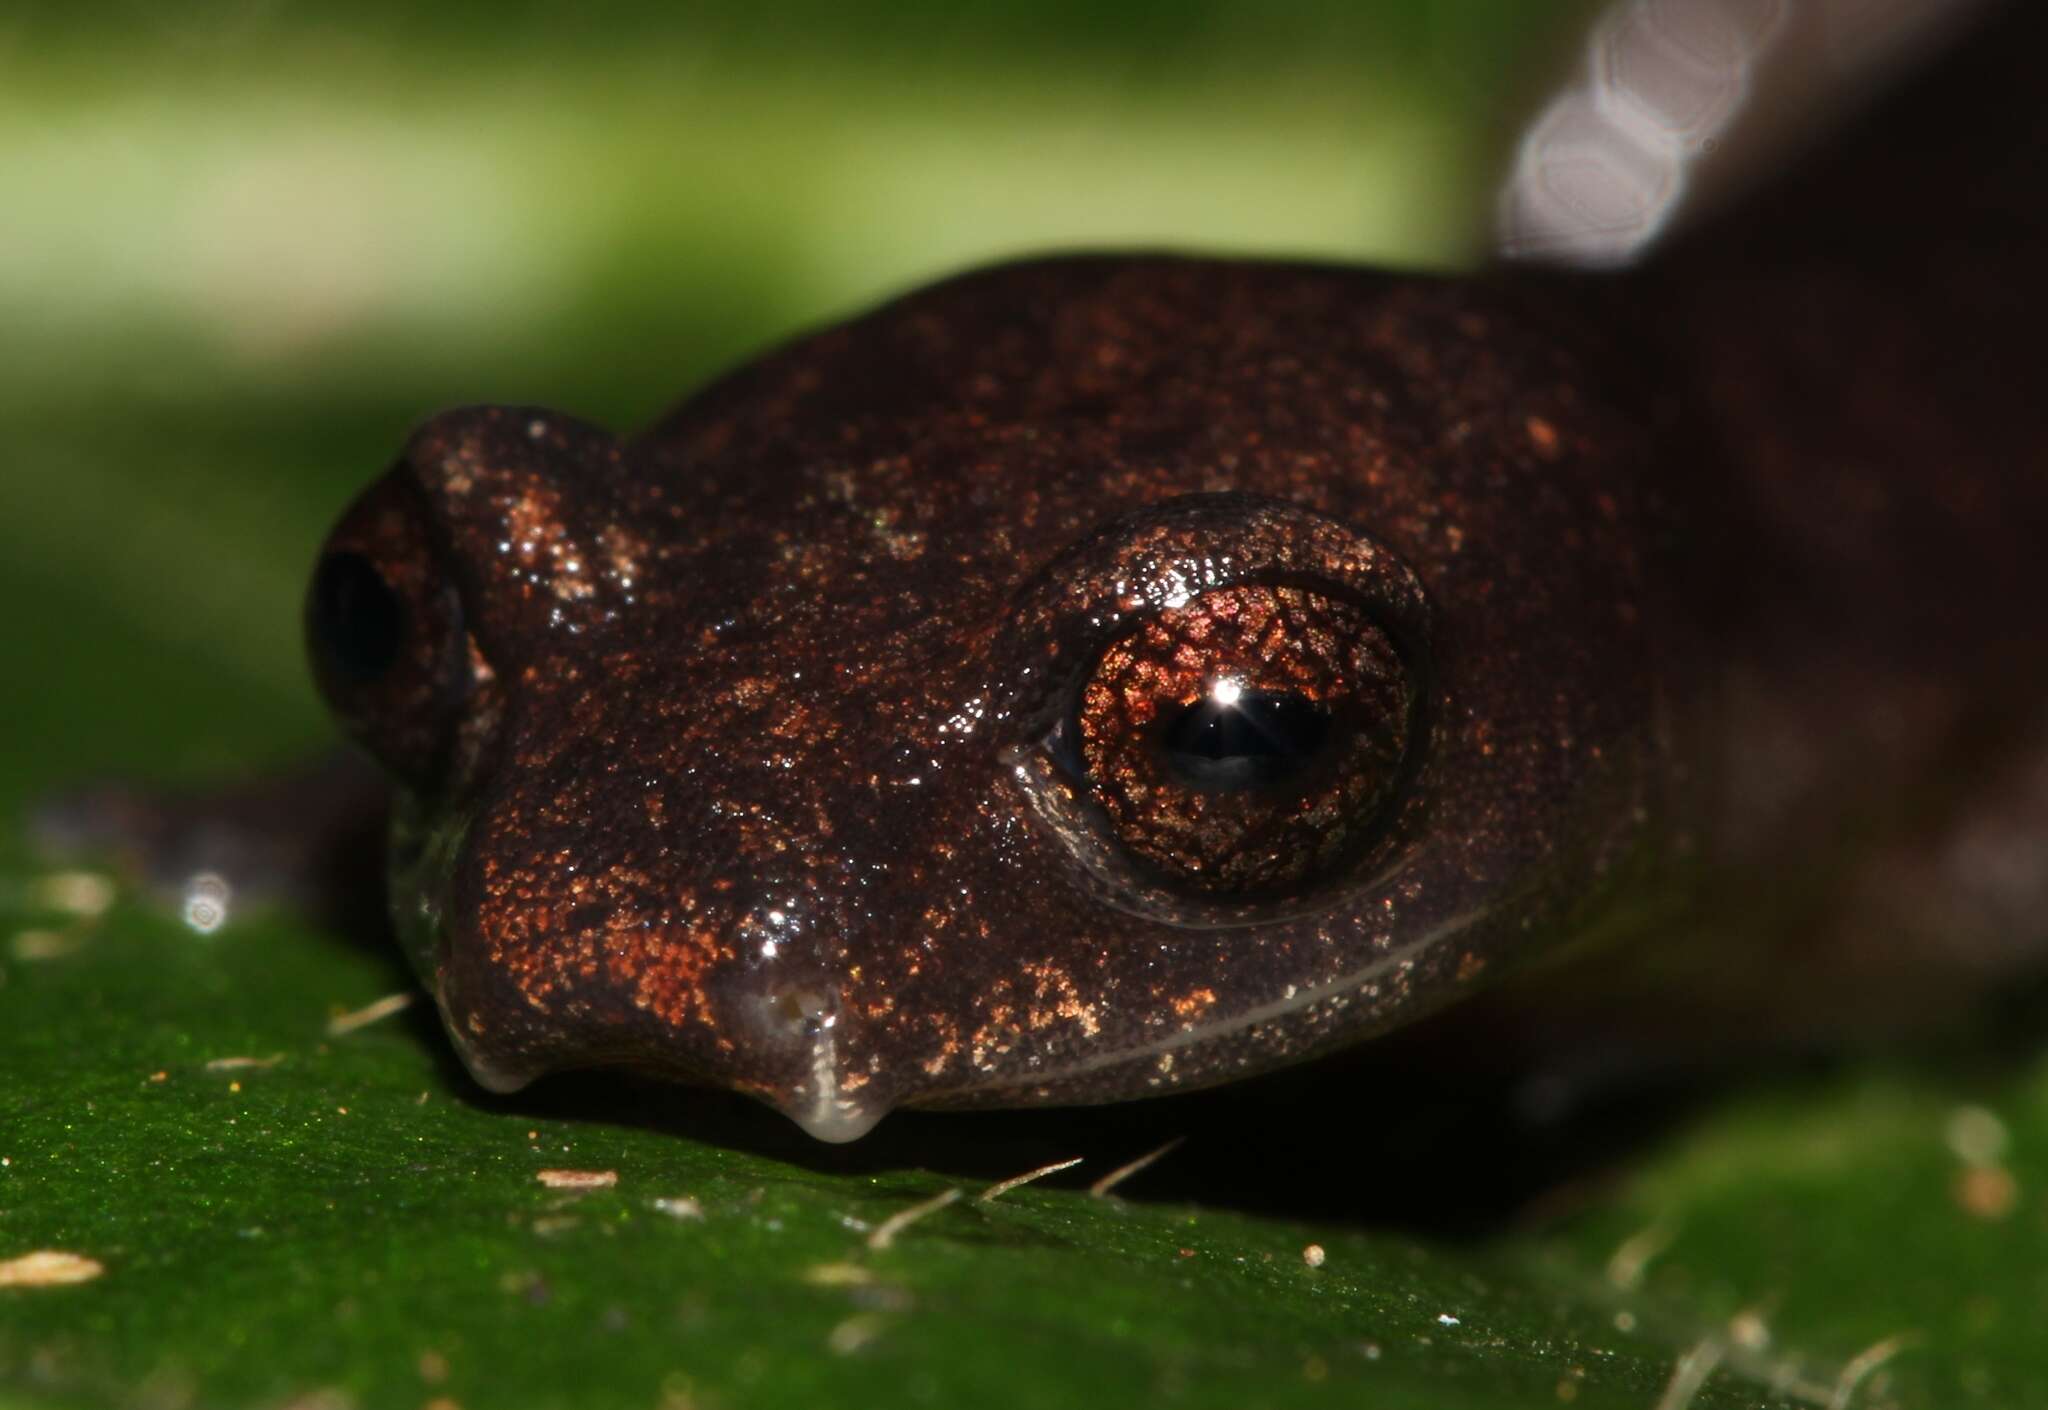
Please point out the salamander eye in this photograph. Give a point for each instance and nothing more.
(354, 620)
(1246, 742)
(384, 631)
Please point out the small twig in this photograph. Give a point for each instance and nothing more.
(237, 1064)
(343, 1024)
(1101, 1188)
(1690, 1374)
(1003, 1187)
(577, 1179)
(885, 1232)
(1626, 1264)
(1862, 1364)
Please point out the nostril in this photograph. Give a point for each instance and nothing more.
(586, 917)
(785, 1015)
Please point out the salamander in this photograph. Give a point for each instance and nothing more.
(1112, 674)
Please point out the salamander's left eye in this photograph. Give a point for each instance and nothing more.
(1246, 742)
(355, 620)
(385, 634)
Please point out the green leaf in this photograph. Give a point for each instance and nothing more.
(280, 1212)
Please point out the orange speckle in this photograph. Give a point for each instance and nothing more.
(1986, 1191)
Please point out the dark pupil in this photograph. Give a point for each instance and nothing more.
(1258, 739)
(357, 619)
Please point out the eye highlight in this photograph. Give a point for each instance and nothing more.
(1233, 738)
(1244, 742)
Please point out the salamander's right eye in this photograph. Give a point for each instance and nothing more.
(1224, 708)
(385, 633)
(1248, 741)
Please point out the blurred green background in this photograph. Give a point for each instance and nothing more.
(244, 245)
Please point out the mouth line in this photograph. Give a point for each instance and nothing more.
(1292, 1003)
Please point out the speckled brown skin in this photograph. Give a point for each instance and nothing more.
(768, 800)
(768, 757)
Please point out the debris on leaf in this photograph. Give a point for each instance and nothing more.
(48, 1268)
(343, 1024)
(577, 1179)
(886, 1231)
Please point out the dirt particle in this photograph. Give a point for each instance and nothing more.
(577, 1179)
(528, 1286)
(1748, 1330)
(49, 1268)
(1313, 1255)
(1986, 1191)
(322, 1398)
(81, 893)
(1976, 1135)
(31, 945)
(853, 1334)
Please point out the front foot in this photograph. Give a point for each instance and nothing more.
(310, 839)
